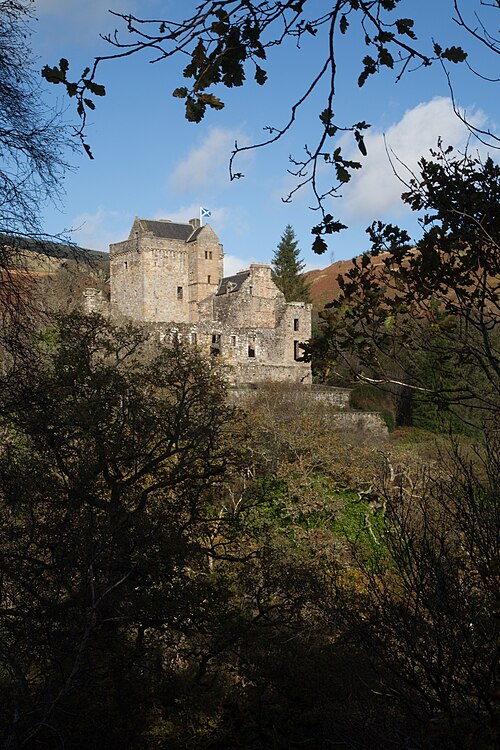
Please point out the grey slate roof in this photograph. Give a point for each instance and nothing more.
(195, 234)
(169, 230)
(232, 283)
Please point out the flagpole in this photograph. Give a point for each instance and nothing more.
(201, 216)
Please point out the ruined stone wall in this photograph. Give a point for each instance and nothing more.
(257, 302)
(234, 346)
(94, 302)
(328, 394)
(256, 332)
(126, 280)
(364, 423)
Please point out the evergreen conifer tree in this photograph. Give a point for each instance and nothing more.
(287, 268)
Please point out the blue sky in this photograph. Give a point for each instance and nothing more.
(150, 162)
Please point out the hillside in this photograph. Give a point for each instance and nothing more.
(324, 285)
(323, 282)
(47, 257)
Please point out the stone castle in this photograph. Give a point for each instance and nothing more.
(170, 275)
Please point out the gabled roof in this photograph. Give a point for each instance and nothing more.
(232, 283)
(195, 234)
(168, 230)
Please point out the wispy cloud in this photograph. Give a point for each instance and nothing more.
(375, 191)
(97, 230)
(83, 20)
(192, 211)
(207, 164)
(233, 264)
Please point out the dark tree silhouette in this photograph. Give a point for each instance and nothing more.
(287, 268)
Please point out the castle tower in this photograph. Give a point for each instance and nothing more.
(163, 270)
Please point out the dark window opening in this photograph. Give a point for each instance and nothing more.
(216, 344)
(206, 254)
(233, 340)
(179, 292)
(193, 338)
(210, 254)
(125, 264)
(295, 324)
(208, 279)
(297, 352)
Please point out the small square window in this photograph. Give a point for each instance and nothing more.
(180, 292)
(295, 324)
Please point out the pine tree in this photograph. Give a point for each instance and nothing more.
(287, 268)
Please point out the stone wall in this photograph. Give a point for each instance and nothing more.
(361, 421)
(256, 331)
(338, 397)
(368, 423)
(94, 301)
(206, 259)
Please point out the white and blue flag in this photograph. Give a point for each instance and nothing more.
(205, 213)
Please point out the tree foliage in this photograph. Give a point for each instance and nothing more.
(109, 474)
(32, 143)
(429, 610)
(287, 268)
(436, 298)
(173, 574)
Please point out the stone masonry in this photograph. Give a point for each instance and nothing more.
(169, 275)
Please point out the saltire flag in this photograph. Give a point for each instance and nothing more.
(205, 213)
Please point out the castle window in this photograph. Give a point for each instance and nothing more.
(208, 279)
(297, 352)
(193, 338)
(206, 254)
(216, 344)
(295, 324)
(251, 350)
(180, 292)
(210, 255)
(125, 264)
(233, 340)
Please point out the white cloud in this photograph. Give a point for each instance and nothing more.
(217, 220)
(208, 163)
(82, 20)
(375, 190)
(233, 264)
(97, 230)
